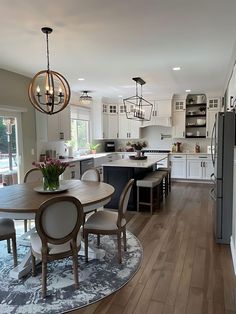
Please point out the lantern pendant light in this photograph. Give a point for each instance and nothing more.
(136, 107)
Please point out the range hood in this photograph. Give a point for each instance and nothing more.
(164, 121)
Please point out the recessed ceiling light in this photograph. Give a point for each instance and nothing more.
(188, 90)
(80, 79)
(176, 68)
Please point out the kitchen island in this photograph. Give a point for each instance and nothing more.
(119, 172)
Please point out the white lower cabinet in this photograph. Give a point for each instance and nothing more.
(194, 167)
(72, 171)
(199, 167)
(178, 166)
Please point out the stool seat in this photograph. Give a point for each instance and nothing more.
(148, 181)
(6, 226)
(153, 183)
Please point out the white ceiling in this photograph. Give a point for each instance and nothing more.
(110, 41)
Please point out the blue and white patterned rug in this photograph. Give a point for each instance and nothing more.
(97, 279)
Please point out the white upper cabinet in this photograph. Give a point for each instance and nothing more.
(213, 106)
(178, 125)
(161, 113)
(53, 127)
(110, 121)
(179, 105)
(128, 129)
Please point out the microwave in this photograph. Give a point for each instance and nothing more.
(110, 146)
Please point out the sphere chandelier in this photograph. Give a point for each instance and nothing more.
(49, 92)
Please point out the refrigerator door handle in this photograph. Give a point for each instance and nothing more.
(213, 194)
(213, 137)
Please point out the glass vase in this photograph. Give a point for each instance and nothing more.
(51, 183)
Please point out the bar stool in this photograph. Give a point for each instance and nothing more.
(151, 182)
(166, 173)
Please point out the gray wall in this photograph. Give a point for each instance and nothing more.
(14, 92)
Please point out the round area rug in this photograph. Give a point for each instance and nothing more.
(97, 279)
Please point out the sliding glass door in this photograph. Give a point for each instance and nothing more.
(10, 148)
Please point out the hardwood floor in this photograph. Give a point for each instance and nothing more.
(183, 270)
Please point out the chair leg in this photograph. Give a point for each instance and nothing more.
(75, 264)
(83, 223)
(44, 277)
(14, 250)
(125, 240)
(33, 264)
(119, 246)
(8, 246)
(86, 245)
(98, 240)
(25, 225)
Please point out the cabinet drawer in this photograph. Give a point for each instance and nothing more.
(199, 157)
(177, 157)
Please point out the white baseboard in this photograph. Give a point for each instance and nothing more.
(233, 253)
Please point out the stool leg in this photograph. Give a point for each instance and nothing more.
(169, 181)
(138, 198)
(151, 200)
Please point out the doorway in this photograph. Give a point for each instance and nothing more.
(10, 148)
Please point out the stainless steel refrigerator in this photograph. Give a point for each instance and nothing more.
(223, 141)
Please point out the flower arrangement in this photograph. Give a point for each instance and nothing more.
(51, 170)
(139, 145)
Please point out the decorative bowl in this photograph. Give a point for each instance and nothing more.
(191, 113)
(201, 121)
(189, 134)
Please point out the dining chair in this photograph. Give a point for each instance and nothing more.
(91, 174)
(110, 222)
(32, 175)
(58, 222)
(7, 232)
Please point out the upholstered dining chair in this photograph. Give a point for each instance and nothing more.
(7, 232)
(91, 174)
(32, 175)
(110, 222)
(58, 222)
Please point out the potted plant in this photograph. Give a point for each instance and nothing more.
(93, 148)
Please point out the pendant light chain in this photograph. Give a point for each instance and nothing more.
(47, 51)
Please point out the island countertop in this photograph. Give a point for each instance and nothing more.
(130, 163)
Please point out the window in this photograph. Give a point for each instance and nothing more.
(80, 128)
(79, 133)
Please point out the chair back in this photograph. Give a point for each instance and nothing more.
(124, 199)
(91, 175)
(58, 219)
(33, 175)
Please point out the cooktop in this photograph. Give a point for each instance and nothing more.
(156, 151)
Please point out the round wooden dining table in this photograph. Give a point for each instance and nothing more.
(21, 201)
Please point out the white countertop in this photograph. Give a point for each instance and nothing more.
(84, 157)
(187, 153)
(130, 163)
